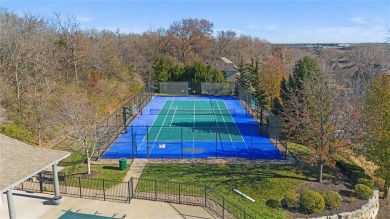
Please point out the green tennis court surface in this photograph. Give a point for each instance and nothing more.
(194, 121)
(75, 215)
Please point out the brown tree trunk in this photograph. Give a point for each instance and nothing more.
(320, 169)
(386, 194)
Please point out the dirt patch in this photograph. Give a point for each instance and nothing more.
(342, 187)
(88, 176)
(2, 116)
(384, 209)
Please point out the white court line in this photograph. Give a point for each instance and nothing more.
(224, 122)
(159, 129)
(237, 129)
(165, 118)
(165, 101)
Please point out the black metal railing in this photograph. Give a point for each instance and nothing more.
(186, 193)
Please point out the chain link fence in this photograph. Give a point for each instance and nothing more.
(268, 122)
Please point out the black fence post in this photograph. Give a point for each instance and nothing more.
(261, 116)
(252, 143)
(216, 144)
(205, 195)
(129, 190)
(147, 141)
(131, 185)
(181, 138)
(179, 193)
(104, 191)
(124, 118)
(80, 186)
(40, 182)
(155, 189)
(223, 207)
(285, 154)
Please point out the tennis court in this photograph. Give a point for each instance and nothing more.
(193, 127)
(193, 121)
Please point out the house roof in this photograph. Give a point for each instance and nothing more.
(224, 64)
(20, 161)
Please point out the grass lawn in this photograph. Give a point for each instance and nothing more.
(111, 174)
(74, 167)
(262, 182)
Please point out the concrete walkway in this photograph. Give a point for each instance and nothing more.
(136, 169)
(136, 209)
(38, 205)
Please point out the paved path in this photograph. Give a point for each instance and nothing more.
(38, 205)
(136, 209)
(136, 168)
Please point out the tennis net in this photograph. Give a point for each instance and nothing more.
(192, 112)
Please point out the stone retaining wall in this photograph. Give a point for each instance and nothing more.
(110, 161)
(367, 211)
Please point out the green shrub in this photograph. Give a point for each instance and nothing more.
(351, 199)
(291, 200)
(363, 192)
(332, 199)
(272, 203)
(17, 131)
(366, 181)
(354, 171)
(312, 201)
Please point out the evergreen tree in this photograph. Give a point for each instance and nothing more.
(277, 107)
(376, 117)
(162, 66)
(304, 69)
(243, 77)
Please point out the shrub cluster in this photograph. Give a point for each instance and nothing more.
(291, 200)
(354, 171)
(311, 201)
(332, 199)
(363, 192)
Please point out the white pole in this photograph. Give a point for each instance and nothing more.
(242, 194)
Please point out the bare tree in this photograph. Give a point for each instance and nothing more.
(189, 37)
(318, 118)
(81, 122)
(222, 42)
(70, 43)
(369, 62)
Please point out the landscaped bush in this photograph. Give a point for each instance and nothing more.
(354, 171)
(365, 181)
(312, 201)
(291, 200)
(332, 199)
(363, 192)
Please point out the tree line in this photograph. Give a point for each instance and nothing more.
(49, 67)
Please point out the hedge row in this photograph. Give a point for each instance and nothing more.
(355, 172)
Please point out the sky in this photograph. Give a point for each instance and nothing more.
(280, 21)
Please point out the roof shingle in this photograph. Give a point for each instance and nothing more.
(20, 161)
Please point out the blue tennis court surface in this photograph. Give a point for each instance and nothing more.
(193, 127)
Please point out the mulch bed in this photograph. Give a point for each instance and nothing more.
(343, 187)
